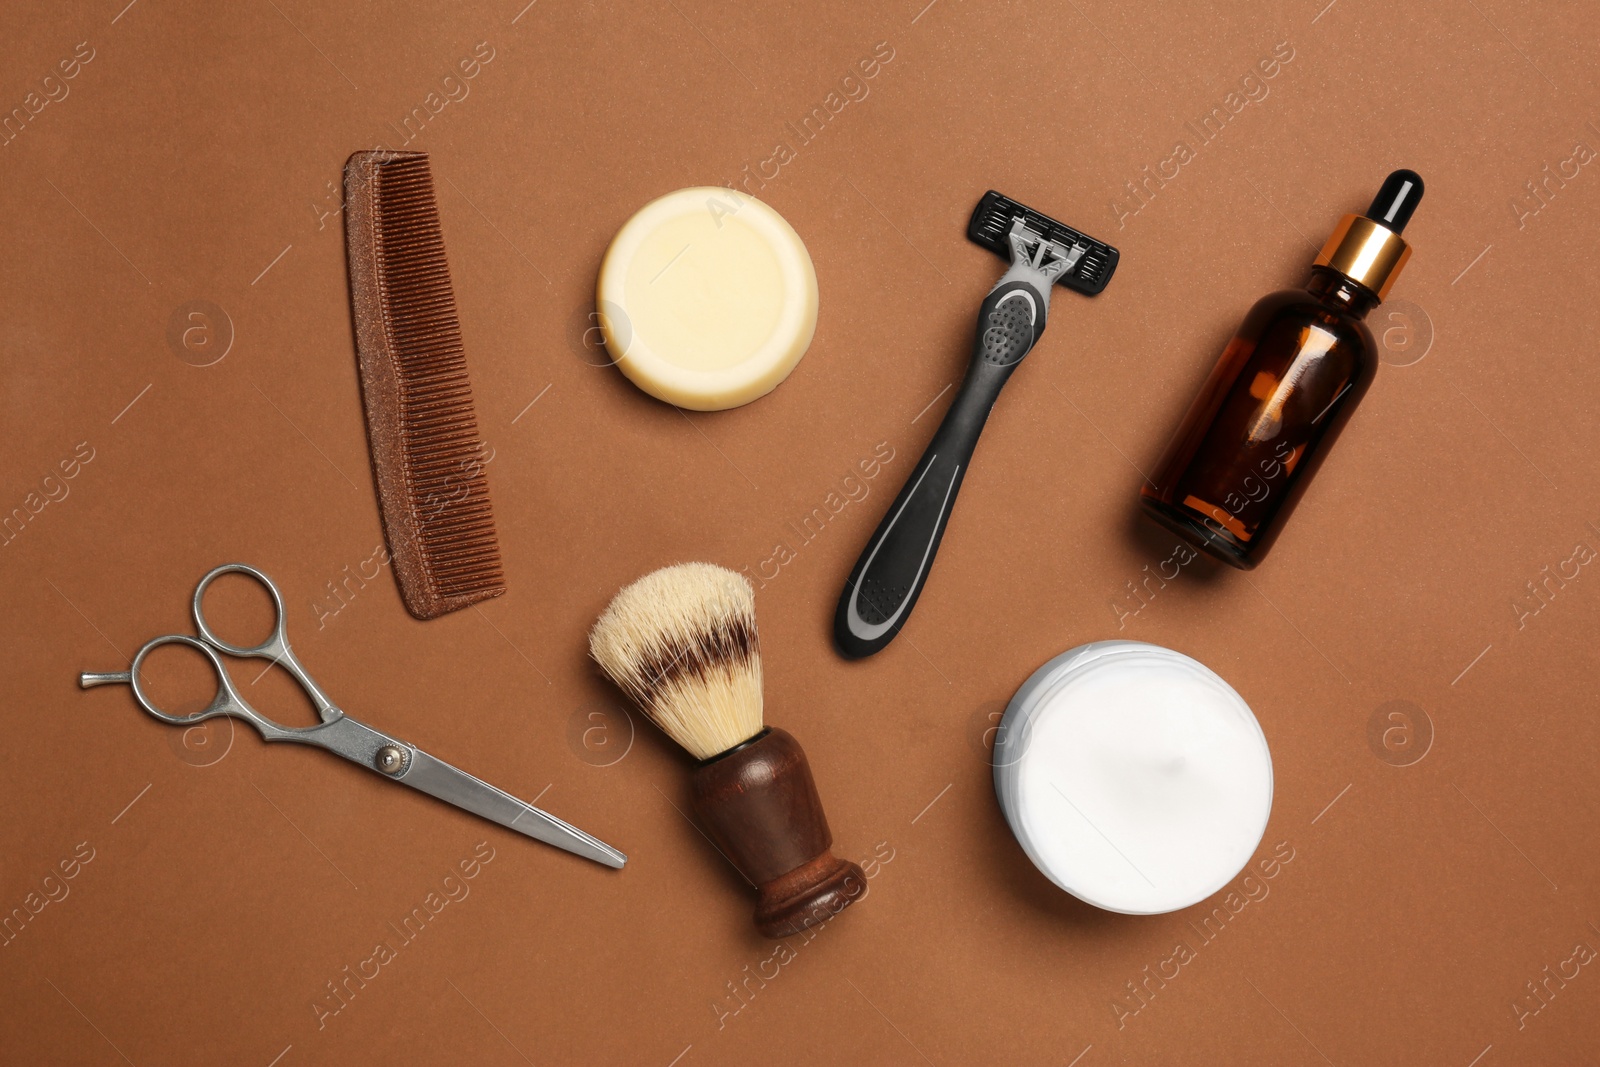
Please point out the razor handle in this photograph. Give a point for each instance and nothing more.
(888, 578)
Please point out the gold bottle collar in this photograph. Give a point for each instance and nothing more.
(1365, 252)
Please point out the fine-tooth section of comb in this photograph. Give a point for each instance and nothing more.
(426, 453)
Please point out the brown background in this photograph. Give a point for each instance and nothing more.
(192, 160)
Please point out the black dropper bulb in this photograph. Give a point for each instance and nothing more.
(1398, 198)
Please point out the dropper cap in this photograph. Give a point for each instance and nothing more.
(1368, 249)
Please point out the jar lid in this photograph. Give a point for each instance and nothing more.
(1134, 777)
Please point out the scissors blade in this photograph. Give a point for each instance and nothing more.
(454, 786)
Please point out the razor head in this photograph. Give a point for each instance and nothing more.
(1052, 261)
(1087, 264)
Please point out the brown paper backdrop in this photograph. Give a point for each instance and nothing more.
(196, 157)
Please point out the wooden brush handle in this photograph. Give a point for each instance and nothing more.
(759, 804)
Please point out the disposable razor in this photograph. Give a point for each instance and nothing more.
(888, 578)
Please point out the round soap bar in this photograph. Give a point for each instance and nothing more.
(1134, 778)
(707, 298)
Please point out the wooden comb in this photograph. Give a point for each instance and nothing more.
(426, 454)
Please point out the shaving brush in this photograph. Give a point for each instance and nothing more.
(682, 643)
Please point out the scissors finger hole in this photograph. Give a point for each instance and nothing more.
(177, 680)
(238, 611)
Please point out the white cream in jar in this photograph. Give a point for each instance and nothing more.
(1135, 778)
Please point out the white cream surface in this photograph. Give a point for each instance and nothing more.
(1134, 777)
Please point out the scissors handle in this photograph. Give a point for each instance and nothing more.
(275, 647)
(341, 735)
(226, 701)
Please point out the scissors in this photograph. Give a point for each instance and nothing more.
(342, 735)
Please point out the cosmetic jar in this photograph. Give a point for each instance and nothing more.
(1133, 776)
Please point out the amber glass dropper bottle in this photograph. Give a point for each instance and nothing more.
(1282, 390)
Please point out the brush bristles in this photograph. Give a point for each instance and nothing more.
(682, 643)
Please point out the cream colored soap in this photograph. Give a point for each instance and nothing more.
(707, 298)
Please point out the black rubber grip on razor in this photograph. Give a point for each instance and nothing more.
(991, 222)
(889, 576)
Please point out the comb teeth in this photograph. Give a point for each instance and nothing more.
(426, 453)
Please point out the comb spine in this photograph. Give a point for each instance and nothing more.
(380, 382)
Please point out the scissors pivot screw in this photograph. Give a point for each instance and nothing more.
(390, 759)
